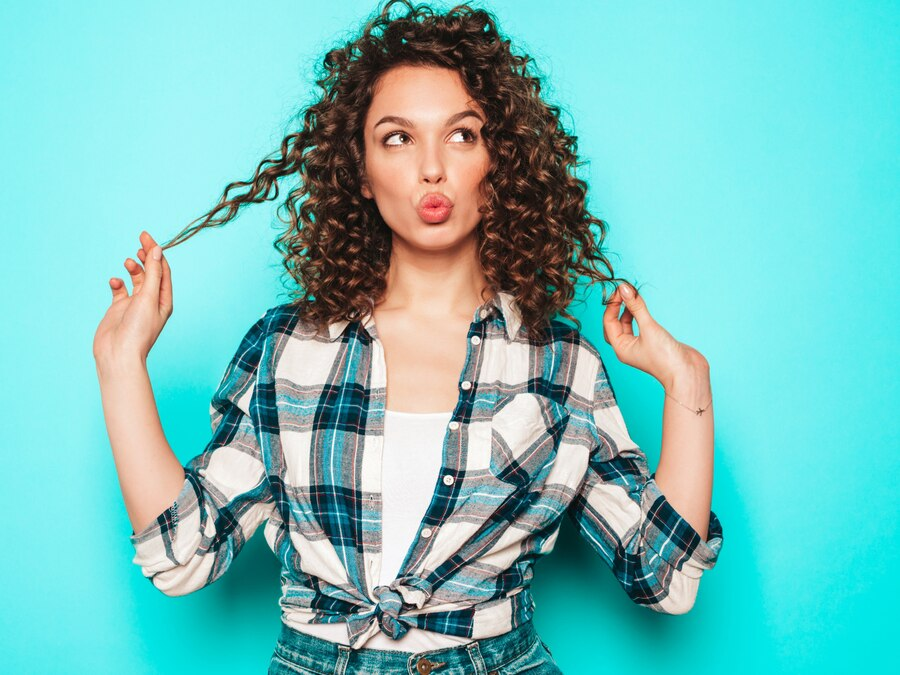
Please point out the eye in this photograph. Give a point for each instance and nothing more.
(384, 141)
(469, 132)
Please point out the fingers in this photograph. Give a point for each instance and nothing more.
(118, 288)
(627, 321)
(148, 243)
(155, 274)
(137, 274)
(135, 270)
(141, 276)
(612, 327)
(152, 277)
(635, 304)
(615, 326)
(165, 286)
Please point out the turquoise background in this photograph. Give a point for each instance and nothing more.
(746, 159)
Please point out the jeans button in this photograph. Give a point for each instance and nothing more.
(424, 666)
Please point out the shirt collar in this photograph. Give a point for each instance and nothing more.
(505, 303)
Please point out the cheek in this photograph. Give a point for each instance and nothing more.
(480, 168)
(475, 178)
(386, 178)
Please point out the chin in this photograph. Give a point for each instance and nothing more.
(446, 238)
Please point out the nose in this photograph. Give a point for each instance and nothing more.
(432, 169)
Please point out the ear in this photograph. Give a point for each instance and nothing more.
(364, 187)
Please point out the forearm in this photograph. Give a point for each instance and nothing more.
(150, 475)
(685, 471)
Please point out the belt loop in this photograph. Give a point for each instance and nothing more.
(477, 659)
(342, 659)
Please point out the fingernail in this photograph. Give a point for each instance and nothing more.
(626, 290)
(157, 253)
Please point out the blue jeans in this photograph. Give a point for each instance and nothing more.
(517, 651)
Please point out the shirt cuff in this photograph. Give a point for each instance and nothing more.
(167, 521)
(673, 538)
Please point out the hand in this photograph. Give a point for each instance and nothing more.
(133, 322)
(654, 351)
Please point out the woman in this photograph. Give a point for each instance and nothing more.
(414, 425)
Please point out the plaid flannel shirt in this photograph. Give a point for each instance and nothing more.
(297, 432)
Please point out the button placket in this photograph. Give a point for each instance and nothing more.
(454, 425)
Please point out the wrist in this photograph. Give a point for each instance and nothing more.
(690, 384)
(120, 365)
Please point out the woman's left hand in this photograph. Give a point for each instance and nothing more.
(654, 350)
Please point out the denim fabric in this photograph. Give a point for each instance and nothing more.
(518, 651)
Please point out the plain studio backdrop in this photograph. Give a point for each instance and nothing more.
(745, 156)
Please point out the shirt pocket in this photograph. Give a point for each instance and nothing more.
(526, 429)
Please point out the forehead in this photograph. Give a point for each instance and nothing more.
(426, 93)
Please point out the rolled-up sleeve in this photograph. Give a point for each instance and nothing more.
(225, 495)
(654, 553)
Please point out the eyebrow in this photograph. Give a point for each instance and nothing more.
(453, 119)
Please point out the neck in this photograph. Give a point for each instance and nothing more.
(435, 283)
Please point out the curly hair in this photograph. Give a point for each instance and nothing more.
(535, 239)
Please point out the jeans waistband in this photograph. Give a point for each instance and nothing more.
(480, 656)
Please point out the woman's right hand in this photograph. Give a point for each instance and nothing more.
(133, 322)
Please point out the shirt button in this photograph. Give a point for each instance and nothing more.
(454, 425)
(466, 385)
(448, 480)
(426, 532)
(476, 340)
(482, 313)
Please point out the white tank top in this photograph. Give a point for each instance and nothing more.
(411, 461)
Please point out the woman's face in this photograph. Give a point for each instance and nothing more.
(423, 135)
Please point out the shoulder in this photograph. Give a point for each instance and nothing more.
(565, 336)
(284, 320)
(593, 369)
(269, 333)
(579, 357)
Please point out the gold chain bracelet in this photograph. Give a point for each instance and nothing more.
(698, 411)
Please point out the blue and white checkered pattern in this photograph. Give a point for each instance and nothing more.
(298, 427)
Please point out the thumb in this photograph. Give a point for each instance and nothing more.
(152, 276)
(634, 302)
